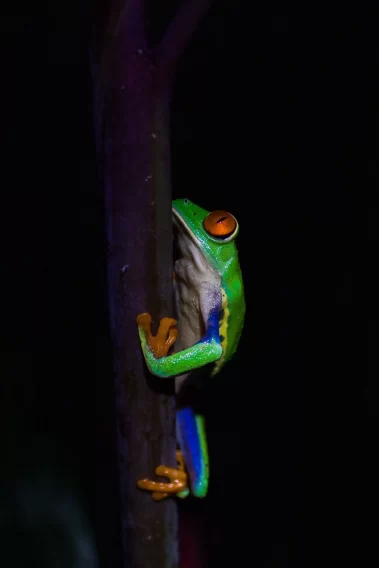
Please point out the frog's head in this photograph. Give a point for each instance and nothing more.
(204, 235)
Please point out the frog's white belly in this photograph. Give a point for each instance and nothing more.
(197, 287)
(192, 310)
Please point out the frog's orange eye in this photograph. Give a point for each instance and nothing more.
(220, 224)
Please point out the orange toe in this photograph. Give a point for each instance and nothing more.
(160, 490)
(165, 338)
(166, 334)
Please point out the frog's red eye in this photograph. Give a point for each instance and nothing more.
(220, 224)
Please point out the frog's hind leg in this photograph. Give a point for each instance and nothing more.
(176, 486)
(193, 456)
(193, 443)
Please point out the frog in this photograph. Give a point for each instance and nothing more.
(203, 336)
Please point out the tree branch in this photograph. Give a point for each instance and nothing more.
(180, 31)
(128, 17)
(135, 158)
(132, 124)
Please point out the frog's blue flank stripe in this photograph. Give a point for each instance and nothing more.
(190, 436)
(212, 331)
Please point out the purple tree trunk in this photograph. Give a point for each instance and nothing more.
(134, 148)
(140, 279)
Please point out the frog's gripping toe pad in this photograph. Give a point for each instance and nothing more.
(176, 486)
(166, 335)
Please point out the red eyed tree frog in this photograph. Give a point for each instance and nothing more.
(210, 309)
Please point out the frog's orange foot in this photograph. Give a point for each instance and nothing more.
(161, 490)
(166, 335)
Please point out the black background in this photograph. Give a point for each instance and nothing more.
(270, 120)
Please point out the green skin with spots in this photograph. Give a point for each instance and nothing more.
(218, 291)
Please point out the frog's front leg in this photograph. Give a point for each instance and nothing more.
(155, 348)
(190, 428)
